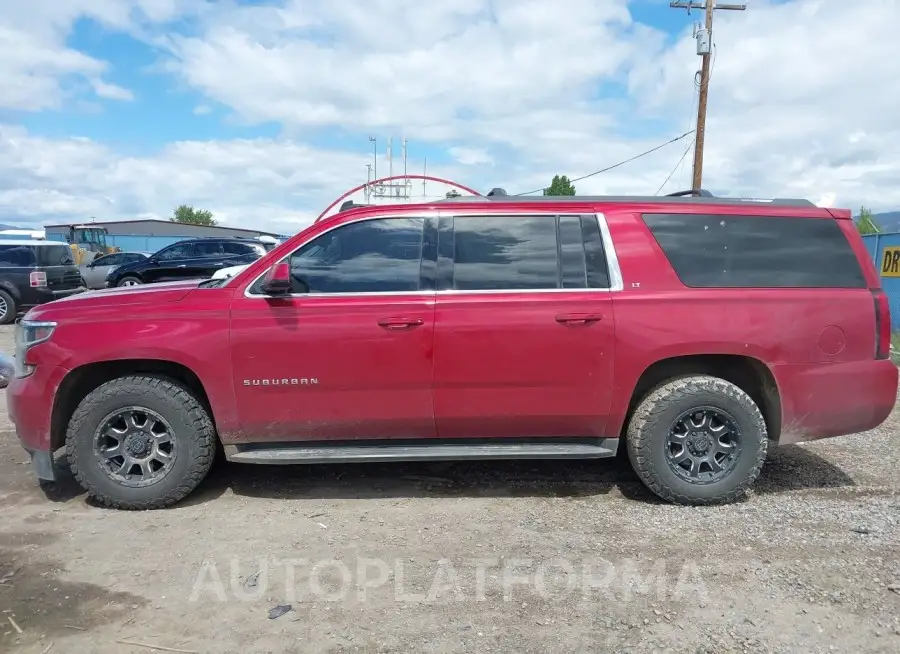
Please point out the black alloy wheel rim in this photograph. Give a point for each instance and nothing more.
(703, 445)
(135, 446)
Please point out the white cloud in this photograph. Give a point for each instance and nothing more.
(802, 102)
(470, 156)
(202, 110)
(111, 91)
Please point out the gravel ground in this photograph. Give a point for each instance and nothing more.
(523, 557)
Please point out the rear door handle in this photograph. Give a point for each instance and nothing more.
(578, 318)
(400, 323)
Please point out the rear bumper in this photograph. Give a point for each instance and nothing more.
(30, 405)
(37, 296)
(825, 400)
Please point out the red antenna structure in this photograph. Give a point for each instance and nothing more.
(393, 178)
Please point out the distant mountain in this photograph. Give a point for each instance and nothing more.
(888, 221)
(5, 226)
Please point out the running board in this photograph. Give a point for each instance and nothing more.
(595, 448)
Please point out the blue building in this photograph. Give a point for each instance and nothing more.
(152, 235)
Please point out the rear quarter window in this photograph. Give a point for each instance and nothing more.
(54, 255)
(714, 251)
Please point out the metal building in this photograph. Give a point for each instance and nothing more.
(151, 235)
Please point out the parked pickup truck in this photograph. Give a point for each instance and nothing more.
(690, 333)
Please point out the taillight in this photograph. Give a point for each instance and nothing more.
(37, 279)
(882, 324)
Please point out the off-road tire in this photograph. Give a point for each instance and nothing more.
(193, 430)
(122, 281)
(653, 417)
(11, 309)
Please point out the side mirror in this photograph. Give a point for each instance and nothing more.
(277, 280)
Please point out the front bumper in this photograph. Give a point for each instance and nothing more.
(29, 402)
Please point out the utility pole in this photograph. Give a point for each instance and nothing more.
(704, 49)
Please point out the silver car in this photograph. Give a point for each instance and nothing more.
(95, 272)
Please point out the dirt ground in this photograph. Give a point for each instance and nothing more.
(498, 557)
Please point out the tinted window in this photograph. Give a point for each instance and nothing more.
(496, 253)
(207, 249)
(244, 248)
(369, 256)
(752, 251)
(181, 251)
(571, 253)
(110, 260)
(594, 254)
(54, 255)
(12, 256)
(131, 258)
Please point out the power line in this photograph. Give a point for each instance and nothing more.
(621, 163)
(683, 155)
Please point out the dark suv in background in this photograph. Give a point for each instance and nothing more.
(35, 272)
(189, 259)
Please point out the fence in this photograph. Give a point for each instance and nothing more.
(885, 252)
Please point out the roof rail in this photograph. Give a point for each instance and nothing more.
(687, 197)
(703, 193)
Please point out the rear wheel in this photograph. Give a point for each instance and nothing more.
(130, 281)
(140, 442)
(697, 440)
(8, 309)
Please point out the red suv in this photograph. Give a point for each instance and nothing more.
(693, 333)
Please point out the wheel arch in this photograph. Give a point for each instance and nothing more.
(747, 373)
(80, 381)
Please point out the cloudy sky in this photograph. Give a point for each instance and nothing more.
(261, 111)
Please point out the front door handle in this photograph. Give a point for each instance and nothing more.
(578, 318)
(400, 323)
(181, 265)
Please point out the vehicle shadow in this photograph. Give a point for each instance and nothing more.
(790, 468)
(793, 467)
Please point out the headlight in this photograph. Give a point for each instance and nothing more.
(28, 334)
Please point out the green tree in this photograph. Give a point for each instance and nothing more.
(185, 213)
(865, 223)
(560, 186)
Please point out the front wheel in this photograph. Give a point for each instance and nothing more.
(697, 440)
(140, 442)
(130, 281)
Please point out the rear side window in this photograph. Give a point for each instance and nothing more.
(54, 255)
(243, 248)
(14, 256)
(203, 249)
(493, 253)
(505, 253)
(710, 251)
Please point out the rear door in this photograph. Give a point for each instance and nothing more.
(348, 355)
(209, 256)
(524, 327)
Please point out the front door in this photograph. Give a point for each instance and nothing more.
(525, 331)
(348, 355)
(170, 264)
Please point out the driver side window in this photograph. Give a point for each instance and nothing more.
(369, 256)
